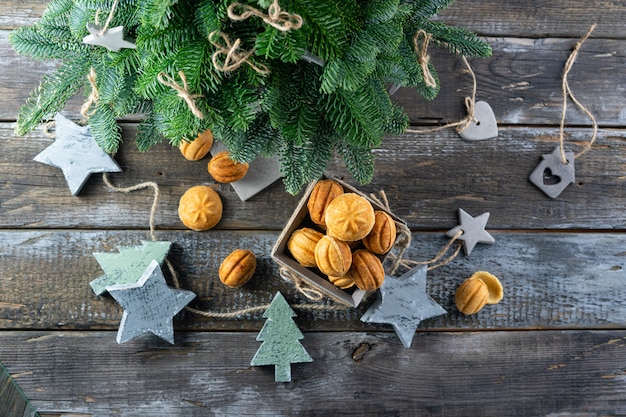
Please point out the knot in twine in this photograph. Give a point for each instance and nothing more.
(282, 21)
(421, 49)
(94, 96)
(304, 289)
(567, 91)
(183, 91)
(233, 58)
(469, 106)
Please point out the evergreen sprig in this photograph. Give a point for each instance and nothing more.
(325, 91)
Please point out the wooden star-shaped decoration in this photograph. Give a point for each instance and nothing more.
(149, 305)
(127, 266)
(473, 231)
(76, 152)
(404, 303)
(112, 39)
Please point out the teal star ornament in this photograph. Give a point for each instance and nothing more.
(129, 264)
(112, 39)
(76, 152)
(473, 231)
(149, 305)
(404, 303)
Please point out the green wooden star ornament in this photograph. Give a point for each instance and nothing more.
(127, 266)
(280, 336)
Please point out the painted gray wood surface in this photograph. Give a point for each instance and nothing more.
(563, 280)
(547, 373)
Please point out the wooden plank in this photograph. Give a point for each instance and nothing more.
(531, 18)
(522, 82)
(440, 174)
(550, 280)
(547, 373)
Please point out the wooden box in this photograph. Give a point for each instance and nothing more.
(311, 276)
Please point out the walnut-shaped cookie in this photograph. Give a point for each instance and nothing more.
(332, 256)
(322, 194)
(302, 243)
(349, 217)
(367, 270)
(383, 235)
(200, 208)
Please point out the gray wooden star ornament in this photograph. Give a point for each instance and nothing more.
(473, 231)
(404, 303)
(76, 152)
(112, 39)
(149, 305)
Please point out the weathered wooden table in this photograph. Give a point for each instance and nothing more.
(555, 345)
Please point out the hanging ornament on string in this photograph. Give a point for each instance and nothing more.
(471, 231)
(112, 39)
(555, 171)
(76, 153)
(280, 336)
(479, 123)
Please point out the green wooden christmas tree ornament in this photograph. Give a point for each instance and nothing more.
(280, 337)
(127, 266)
(13, 402)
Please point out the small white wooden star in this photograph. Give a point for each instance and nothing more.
(112, 39)
(76, 152)
(149, 305)
(473, 230)
(404, 303)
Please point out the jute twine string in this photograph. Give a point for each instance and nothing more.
(183, 91)
(94, 96)
(421, 49)
(404, 241)
(108, 21)
(282, 21)
(310, 293)
(567, 91)
(234, 58)
(469, 106)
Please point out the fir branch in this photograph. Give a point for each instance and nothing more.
(290, 158)
(458, 41)
(359, 161)
(105, 129)
(147, 135)
(425, 9)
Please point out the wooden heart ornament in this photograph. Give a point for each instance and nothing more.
(552, 176)
(485, 126)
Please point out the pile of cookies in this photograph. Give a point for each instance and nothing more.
(347, 239)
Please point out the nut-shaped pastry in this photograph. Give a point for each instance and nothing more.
(349, 217)
(367, 271)
(322, 194)
(302, 243)
(343, 282)
(200, 208)
(237, 268)
(493, 285)
(471, 296)
(198, 148)
(332, 256)
(223, 169)
(383, 234)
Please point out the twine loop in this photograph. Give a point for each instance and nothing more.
(275, 17)
(94, 96)
(182, 91)
(233, 57)
(304, 289)
(567, 91)
(421, 49)
(108, 21)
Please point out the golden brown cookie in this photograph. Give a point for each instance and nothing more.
(223, 169)
(383, 235)
(471, 296)
(367, 270)
(322, 194)
(349, 217)
(302, 243)
(200, 208)
(237, 268)
(333, 257)
(198, 148)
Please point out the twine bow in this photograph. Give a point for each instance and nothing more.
(183, 91)
(282, 21)
(306, 290)
(233, 57)
(421, 49)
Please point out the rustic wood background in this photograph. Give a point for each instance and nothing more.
(554, 346)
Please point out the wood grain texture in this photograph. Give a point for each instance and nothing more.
(439, 173)
(552, 373)
(521, 82)
(550, 280)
